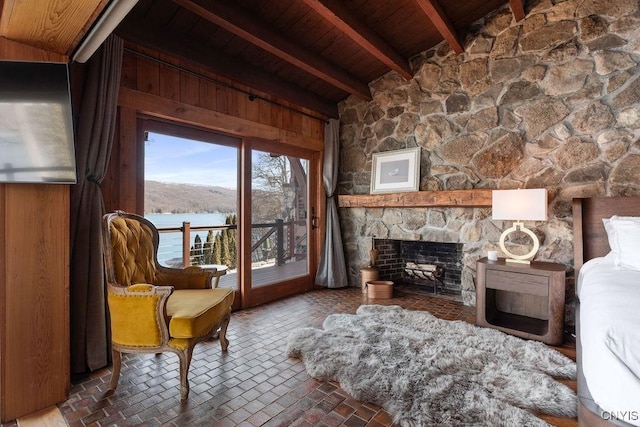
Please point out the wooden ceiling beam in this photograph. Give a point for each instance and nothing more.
(177, 46)
(256, 33)
(517, 8)
(436, 15)
(340, 17)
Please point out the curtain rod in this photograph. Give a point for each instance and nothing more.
(250, 95)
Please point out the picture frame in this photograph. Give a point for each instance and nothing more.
(394, 171)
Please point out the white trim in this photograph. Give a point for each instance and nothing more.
(108, 21)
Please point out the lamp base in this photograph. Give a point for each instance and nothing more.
(517, 261)
(522, 259)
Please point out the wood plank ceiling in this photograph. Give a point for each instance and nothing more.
(53, 25)
(310, 53)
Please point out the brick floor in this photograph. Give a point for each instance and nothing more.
(253, 384)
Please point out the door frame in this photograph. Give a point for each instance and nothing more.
(251, 297)
(245, 295)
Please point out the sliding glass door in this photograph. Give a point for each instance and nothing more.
(192, 192)
(242, 207)
(279, 234)
(282, 240)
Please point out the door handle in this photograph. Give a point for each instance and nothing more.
(314, 218)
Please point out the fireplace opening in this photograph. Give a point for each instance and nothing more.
(433, 267)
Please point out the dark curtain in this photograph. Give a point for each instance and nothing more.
(332, 271)
(95, 128)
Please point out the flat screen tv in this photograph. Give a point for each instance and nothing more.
(36, 123)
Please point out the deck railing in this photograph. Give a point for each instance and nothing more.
(280, 241)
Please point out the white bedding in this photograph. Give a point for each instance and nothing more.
(610, 336)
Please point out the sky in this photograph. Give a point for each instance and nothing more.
(173, 159)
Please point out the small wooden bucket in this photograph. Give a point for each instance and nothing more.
(380, 289)
(369, 274)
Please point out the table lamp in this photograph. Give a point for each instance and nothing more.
(519, 205)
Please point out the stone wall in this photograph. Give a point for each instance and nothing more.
(551, 101)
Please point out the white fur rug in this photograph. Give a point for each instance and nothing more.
(426, 371)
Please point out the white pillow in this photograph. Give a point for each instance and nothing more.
(623, 233)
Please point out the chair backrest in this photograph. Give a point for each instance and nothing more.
(130, 244)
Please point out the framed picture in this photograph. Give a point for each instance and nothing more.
(397, 170)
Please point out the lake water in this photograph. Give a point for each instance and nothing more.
(171, 243)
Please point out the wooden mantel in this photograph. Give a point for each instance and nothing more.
(477, 198)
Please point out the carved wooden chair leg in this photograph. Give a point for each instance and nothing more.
(115, 374)
(224, 342)
(213, 335)
(185, 361)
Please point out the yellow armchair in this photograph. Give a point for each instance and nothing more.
(155, 308)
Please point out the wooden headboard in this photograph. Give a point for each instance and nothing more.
(589, 235)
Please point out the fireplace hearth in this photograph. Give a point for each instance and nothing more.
(435, 267)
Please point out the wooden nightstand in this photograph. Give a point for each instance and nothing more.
(526, 300)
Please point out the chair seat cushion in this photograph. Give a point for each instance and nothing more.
(194, 312)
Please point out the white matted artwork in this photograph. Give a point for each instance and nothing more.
(397, 170)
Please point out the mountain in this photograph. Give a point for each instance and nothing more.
(165, 197)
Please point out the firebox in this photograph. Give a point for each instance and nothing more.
(432, 266)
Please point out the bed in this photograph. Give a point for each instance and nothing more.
(607, 311)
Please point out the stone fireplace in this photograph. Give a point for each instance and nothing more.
(461, 218)
(432, 266)
(550, 101)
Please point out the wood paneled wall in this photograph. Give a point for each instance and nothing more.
(154, 85)
(34, 297)
(34, 284)
(168, 78)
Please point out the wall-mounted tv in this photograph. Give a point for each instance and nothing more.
(36, 123)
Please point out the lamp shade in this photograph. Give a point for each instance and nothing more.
(520, 205)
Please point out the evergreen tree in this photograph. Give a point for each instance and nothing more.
(208, 257)
(217, 249)
(233, 241)
(224, 249)
(196, 251)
